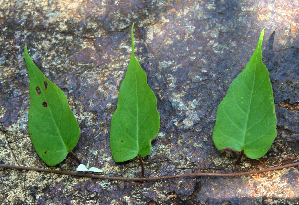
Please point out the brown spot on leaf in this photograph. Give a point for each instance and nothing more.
(38, 90)
(46, 85)
(45, 104)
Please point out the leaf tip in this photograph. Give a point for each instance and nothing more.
(25, 49)
(132, 38)
(261, 38)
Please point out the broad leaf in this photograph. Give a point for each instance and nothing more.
(246, 117)
(53, 128)
(136, 120)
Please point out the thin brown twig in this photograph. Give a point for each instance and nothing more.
(81, 174)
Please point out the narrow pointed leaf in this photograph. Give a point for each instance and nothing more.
(53, 128)
(246, 117)
(136, 120)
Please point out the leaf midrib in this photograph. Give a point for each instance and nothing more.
(249, 110)
(137, 110)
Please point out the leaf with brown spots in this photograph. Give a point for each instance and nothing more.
(53, 128)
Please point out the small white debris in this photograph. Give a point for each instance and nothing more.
(83, 168)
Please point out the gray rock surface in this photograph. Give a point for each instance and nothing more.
(191, 52)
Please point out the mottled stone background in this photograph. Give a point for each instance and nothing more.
(191, 51)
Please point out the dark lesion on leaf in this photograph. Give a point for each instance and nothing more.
(45, 104)
(38, 90)
(46, 85)
(122, 141)
(45, 152)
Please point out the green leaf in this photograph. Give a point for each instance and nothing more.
(246, 117)
(136, 120)
(53, 128)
